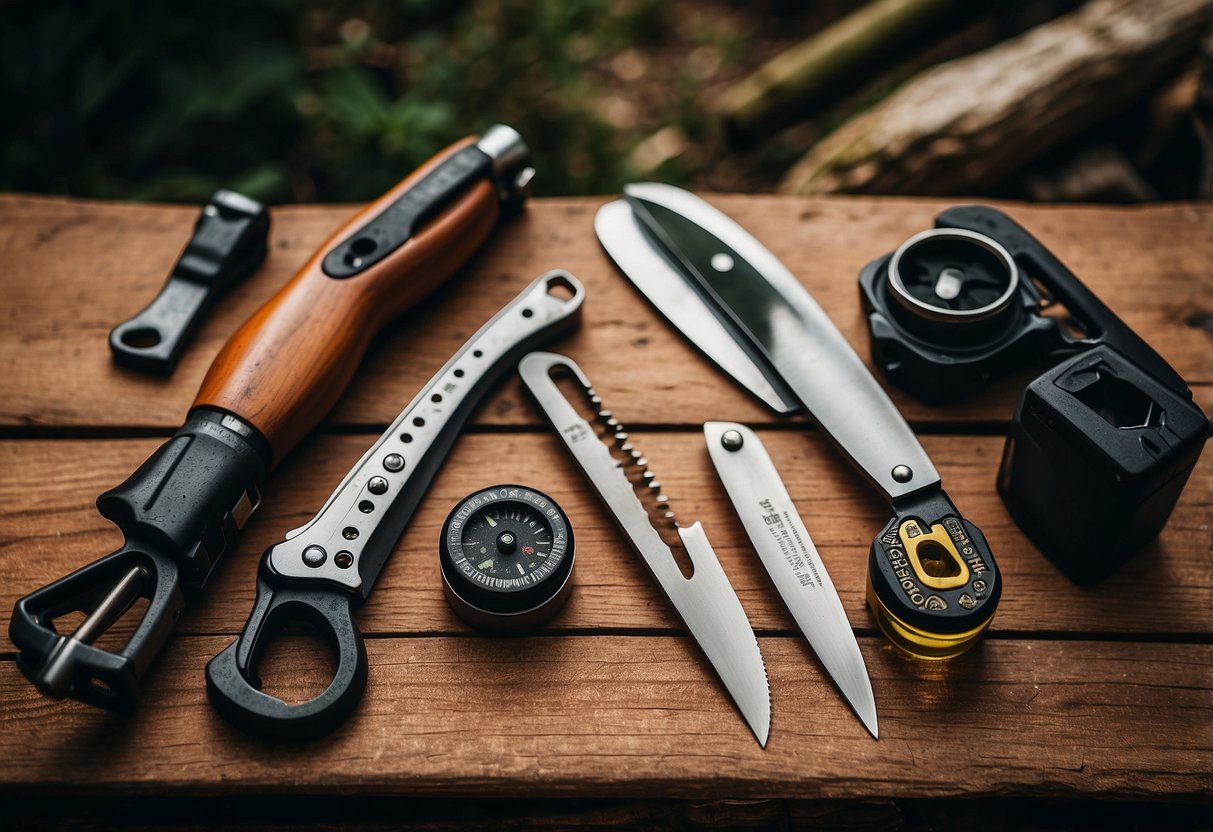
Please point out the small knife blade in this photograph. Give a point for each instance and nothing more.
(786, 550)
(706, 601)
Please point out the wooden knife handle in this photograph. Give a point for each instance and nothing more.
(285, 368)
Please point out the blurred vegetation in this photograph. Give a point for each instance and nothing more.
(296, 100)
(304, 100)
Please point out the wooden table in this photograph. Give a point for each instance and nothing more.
(1102, 692)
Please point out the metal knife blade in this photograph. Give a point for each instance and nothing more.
(764, 306)
(706, 601)
(627, 244)
(787, 551)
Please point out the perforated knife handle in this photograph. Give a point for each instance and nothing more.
(285, 368)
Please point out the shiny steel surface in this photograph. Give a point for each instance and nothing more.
(669, 291)
(394, 471)
(787, 551)
(769, 308)
(706, 601)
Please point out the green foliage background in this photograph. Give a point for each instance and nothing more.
(296, 100)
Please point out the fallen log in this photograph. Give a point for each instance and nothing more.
(968, 123)
(777, 92)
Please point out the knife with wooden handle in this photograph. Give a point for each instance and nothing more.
(273, 381)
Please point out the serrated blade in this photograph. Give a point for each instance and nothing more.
(787, 551)
(706, 601)
(660, 282)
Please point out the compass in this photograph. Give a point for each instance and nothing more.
(507, 555)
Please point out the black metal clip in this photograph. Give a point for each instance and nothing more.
(228, 245)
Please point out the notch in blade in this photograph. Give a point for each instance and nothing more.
(637, 248)
(705, 601)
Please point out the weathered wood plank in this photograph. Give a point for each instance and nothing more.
(48, 526)
(614, 715)
(76, 268)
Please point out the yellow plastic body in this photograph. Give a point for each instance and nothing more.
(920, 643)
(947, 570)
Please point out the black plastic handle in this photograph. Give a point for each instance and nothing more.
(228, 245)
(67, 664)
(233, 684)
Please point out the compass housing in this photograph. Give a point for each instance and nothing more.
(506, 555)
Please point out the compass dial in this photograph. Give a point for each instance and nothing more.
(506, 551)
(507, 541)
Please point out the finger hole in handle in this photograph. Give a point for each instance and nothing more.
(234, 688)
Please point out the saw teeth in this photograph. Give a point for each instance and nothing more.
(635, 466)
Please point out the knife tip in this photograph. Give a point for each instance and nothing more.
(761, 733)
(758, 717)
(869, 722)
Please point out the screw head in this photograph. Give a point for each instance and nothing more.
(393, 462)
(377, 485)
(314, 556)
(732, 440)
(902, 473)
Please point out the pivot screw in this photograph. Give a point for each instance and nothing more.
(314, 556)
(732, 440)
(902, 473)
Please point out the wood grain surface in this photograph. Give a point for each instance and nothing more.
(1165, 590)
(73, 269)
(595, 715)
(1102, 691)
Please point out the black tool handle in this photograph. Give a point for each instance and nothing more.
(68, 664)
(228, 245)
(179, 512)
(1101, 323)
(231, 677)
